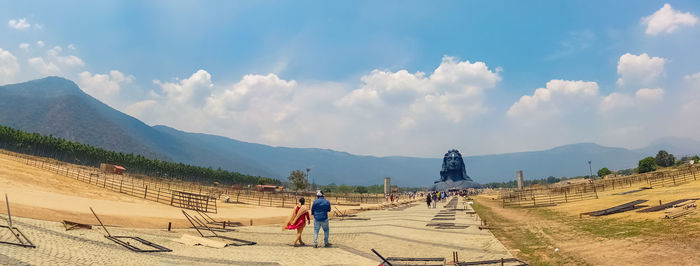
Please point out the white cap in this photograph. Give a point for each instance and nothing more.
(319, 193)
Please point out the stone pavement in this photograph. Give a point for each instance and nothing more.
(399, 232)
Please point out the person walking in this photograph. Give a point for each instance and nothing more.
(320, 210)
(434, 199)
(428, 200)
(297, 221)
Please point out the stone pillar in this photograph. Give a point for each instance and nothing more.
(387, 185)
(519, 175)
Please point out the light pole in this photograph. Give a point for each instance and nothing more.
(590, 169)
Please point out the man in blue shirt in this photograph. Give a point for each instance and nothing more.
(320, 209)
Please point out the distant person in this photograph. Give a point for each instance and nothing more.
(392, 198)
(297, 221)
(320, 210)
(428, 200)
(434, 196)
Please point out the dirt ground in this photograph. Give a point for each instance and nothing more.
(627, 238)
(40, 194)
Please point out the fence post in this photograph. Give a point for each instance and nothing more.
(566, 199)
(145, 192)
(158, 195)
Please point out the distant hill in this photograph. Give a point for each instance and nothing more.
(677, 146)
(58, 107)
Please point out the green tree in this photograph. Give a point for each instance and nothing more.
(330, 187)
(344, 188)
(361, 189)
(604, 171)
(665, 159)
(647, 164)
(298, 179)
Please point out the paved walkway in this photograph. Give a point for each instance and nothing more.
(401, 232)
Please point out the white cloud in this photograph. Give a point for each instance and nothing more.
(558, 97)
(616, 101)
(19, 24)
(691, 104)
(44, 67)
(454, 91)
(667, 20)
(8, 66)
(693, 80)
(54, 63)
(104, 86)
(24, 46)
(651, 95)
(195, 88)
(621, 101)
(71, 46)
(269, 109)
(639, 70)
(40, 43)
(268, 93)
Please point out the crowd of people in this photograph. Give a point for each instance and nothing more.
(432, 198)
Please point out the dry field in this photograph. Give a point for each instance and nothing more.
(41, 194)
(627, 238)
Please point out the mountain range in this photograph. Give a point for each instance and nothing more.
(57, 106)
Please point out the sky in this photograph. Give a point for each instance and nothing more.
(383, 78)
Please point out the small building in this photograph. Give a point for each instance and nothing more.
(269, 188)
(112, 169)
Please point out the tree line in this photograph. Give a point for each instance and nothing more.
(650, 164)
(526, 183)
(83, 154)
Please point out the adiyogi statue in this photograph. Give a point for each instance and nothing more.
(454, 173)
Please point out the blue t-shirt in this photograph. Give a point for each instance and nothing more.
(320, 209)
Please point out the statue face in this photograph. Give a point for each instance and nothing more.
(453, 162)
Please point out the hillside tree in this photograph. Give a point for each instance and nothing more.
(665, 159)
(647, 164)
(604, 171)
(298, 179)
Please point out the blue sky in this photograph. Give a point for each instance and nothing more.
(330, 74)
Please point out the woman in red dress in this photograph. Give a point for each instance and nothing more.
(297, 220)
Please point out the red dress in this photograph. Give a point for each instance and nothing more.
(300, 222)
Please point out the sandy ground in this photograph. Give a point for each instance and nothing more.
(40, 194)
(680, 246)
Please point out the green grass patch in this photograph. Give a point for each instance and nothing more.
(534, 247)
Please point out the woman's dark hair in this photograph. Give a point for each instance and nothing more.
(301, 200)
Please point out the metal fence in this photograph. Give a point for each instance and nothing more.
(162, 190)
(552, 195)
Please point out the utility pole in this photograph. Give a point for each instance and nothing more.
(590, 169)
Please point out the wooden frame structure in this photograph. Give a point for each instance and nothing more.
(192, 201)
